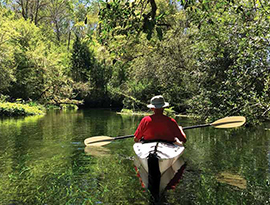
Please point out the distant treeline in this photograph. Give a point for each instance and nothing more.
(208, 58)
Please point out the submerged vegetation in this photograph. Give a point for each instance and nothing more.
(43, 161)
(208, 58)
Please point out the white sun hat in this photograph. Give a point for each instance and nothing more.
(158, 102)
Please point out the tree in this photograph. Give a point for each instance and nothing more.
(232, 58)
(125, 20)
(32, 67)
(166, 70)
(30, 10)
(126, 30)
(90, 74)
(82, 61)
(7, 65)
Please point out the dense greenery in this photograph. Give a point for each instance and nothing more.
(208, 58)
(17, 109)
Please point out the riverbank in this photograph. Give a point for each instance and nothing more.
(167, 111)
(19, 109)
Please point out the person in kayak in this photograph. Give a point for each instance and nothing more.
(159, 126)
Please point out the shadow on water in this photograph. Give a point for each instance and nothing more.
(43, 161)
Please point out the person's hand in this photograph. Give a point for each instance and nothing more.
(136, 140)
(178, 142)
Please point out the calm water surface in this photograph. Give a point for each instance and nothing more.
(43, 161)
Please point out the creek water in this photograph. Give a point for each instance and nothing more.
(43, 160)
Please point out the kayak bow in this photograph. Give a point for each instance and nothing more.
(157, 163)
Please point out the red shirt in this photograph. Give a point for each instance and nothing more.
(159, 127)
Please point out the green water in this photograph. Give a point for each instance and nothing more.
(43, 161)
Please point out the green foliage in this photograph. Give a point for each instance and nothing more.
(69, 107)
(81, 61)
(232, 61)
(40, 73)
(169, 112)
(18, 109)
(208, 58)
(124, 25)
(118, 18)
(3, 98)
(26, 52)
(164, 69)
(7, 65)
(91, 75)
(126, 111)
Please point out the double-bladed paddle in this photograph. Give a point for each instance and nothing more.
(227, 122)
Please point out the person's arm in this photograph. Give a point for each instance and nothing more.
(183, 134)
(139, 132)
(178, 132)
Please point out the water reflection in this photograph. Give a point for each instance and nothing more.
(232, 179)
(158, 183)
(96, 151)
(43, 161)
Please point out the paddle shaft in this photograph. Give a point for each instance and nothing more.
(196, 126)
(130, 136)
(123, 137)
(112, 139)
(229, 120)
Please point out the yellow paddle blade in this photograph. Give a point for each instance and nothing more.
(98, 141)
(229, 122)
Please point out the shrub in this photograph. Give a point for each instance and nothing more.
(18, 109)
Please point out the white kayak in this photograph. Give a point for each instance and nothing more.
(158, 163)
